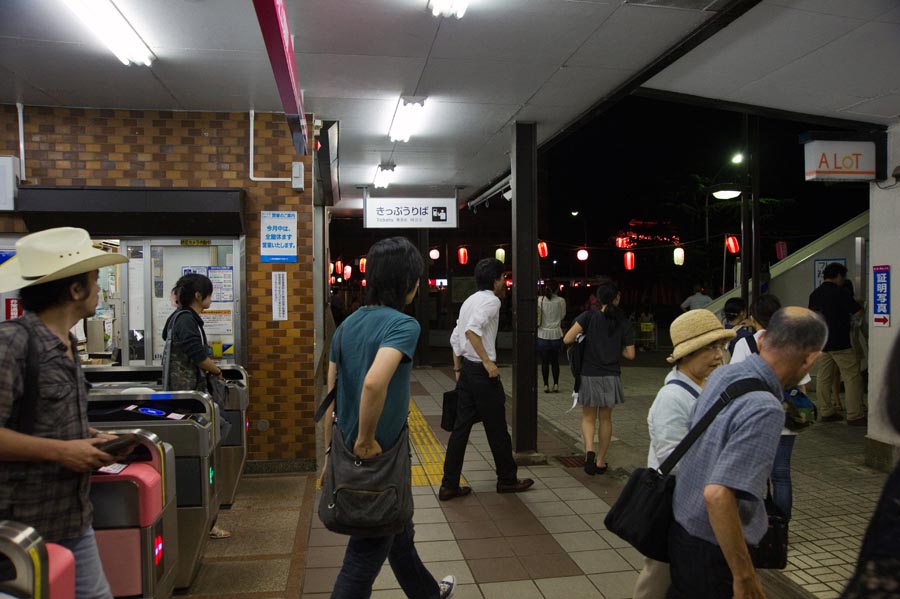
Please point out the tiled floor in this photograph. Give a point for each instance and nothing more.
(548, 542)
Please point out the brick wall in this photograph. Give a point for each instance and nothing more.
(190, 149)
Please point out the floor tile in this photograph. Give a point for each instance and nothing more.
(459, 512)
(534, 545)
(497, 569)
(475, 549)
(550, 508)
(574, 493)
(325, 557)
(569, 587)
(580, 541)
(549, 566)
(316, 580)
(599, 561)
(559, 524)
(615, 585)
(433, 532)
(589, 506)
(520, 526)
(458, 568)
(438, 551)
(474, 530)
(524, 589)
(428, 515)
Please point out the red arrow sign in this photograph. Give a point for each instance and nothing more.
(881, 319)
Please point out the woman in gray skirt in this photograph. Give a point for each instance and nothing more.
(608, 336)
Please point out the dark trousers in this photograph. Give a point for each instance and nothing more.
(363, 560)
(698, 568)
(548, 350)
(479, 395)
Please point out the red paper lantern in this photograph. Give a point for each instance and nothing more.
(582, 254)
(362, 265)
(781, 250)
(339, 266)
(463, 255)
(629, 260)
(363, 282)
(331, 279)
(542, 249)
(348, 270)
(731, 242)
(620, 242)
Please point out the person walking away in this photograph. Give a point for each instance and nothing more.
(698, 340)
(46, 464)
(837, 307)
(719, 499)
(480, 392)
(551, 311)
(609, 336)
(877, 572)
(735, 317)
(377, 343)
(696, 301)
(782, 487)
(188, 355)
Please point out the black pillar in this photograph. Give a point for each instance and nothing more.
(754, 189)
(525, 267)
(422, 314)
(745, 214)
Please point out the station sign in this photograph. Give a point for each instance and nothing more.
(839, 160)
(410, 213)
(881, 305)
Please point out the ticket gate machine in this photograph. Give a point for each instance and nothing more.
(185, 420)
(136, 521)
(42, 570)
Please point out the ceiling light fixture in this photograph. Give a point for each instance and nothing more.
(449, 8)
(384, 176)
(104, 19)
(407, 117)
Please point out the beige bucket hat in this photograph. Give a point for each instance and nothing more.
(51, 255)
(695, 329)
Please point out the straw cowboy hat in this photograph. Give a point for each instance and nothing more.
(694, 330)
(52, 255)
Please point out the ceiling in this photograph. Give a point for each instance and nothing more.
(547, 61)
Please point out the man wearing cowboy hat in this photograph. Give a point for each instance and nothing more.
(718, 503)
(45, 474)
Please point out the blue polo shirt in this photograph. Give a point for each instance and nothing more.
(736, 451)
(365, 332)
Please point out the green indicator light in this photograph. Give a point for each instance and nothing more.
(212, 473)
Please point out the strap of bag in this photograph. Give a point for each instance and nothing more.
(685, 386)
(332, 395)
(733, 391)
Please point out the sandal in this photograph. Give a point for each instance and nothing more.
(602, 469)
(217, 532)
(590, 466)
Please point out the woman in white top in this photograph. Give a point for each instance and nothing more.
(551, 311)
(699, 341)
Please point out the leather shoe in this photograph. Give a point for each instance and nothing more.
(862, 421)
(448, 493)
(523, 484)
(831, 418)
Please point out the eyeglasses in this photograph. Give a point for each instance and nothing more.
(717, 347)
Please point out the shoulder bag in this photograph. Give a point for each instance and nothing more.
(642, 515)
(369, 497)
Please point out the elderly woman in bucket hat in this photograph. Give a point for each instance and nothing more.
(699, 341)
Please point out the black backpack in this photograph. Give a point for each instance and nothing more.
(575, 353)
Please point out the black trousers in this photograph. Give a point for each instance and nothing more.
(479, 395)
(698, 568)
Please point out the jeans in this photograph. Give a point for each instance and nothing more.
(698, 568)
(90, 580)
(782, 493)
(363, 560)
(479, 395)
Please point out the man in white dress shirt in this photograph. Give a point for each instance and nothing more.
(478, 385)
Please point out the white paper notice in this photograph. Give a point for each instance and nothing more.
(279, 296)
(222, 278)
(136, 294)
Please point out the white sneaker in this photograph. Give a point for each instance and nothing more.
(447, 585)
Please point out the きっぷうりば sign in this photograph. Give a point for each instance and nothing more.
(839, 160)
(881, 305)
(409, 213)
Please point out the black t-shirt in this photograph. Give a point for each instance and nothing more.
(601, 356)
(837, 306)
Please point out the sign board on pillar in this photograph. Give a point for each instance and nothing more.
(278, 237)
(839, 160)
(881, 310)
(409, 213)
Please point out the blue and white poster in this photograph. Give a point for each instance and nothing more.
(278, 237)
(881, 308)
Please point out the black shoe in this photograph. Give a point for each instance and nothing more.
(602, 469)
(862, 421)
(831, 418)
(590, 463)
(448, 493)
(546, 389)
(523, 484)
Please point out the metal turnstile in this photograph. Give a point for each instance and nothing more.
(32, 569)
(233, 451)
(184, 419)
(136, 519)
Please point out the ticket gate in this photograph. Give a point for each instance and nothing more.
(232, 452)
(32, 569)
(136, 519)
(185, 420)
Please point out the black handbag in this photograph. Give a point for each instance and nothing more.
(642, 514)
(369, 497)
(771, 551)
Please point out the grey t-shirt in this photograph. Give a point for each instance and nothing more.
(736, 451)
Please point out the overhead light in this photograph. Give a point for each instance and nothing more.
(384, 176)
(407, 117)
(448, 8)
(574, 213)
(737, 158)
(104, 19)
(726, 194)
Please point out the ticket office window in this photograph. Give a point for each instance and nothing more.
(153, 269)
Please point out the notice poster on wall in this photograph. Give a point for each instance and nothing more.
(279, 296)
(278, 237)
(222, 278)
(217, 322)
(136, 294)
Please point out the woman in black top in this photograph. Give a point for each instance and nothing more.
(609, 336)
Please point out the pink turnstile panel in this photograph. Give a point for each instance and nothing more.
(149, 487)
(62, 572)
(120, 552)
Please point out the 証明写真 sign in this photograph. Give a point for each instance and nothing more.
(881, 305)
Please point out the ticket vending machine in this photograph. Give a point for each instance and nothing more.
(32, 568)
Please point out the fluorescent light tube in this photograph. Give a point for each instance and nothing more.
(407, 118)
(447, 8)
(104, 19)
(384, 176)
